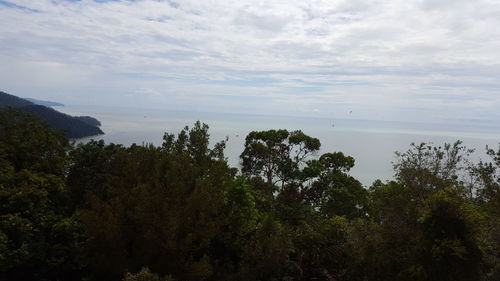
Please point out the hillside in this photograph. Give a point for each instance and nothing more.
(74, 127)
(89, 120)
(12, 101)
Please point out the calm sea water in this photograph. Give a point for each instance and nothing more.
(371, 143)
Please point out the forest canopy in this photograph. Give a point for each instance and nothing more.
(98, 211)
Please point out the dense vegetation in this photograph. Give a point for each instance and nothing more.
(73, 127)
(89, 120)
(178, 212)
(7, 100)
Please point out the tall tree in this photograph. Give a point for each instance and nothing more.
(277, 155)
(40, 239)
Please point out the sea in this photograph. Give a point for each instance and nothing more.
(372, 143)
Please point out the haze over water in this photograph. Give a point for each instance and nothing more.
(371, 143)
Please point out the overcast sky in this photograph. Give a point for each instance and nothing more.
(422, 60)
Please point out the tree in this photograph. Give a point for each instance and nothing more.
(298, 181)
(165, 208)
(277, 155)
(424, 226)
(450, 248)
(334, 192)
(28, 143)
(426, 168)
(487, 188)
(40, 239)
(90, 171)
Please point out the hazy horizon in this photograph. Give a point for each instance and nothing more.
(371, 143)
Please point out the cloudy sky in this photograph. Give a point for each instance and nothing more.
(419, 60)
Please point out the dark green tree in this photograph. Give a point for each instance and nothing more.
(40, 239)
(334, 192)
(424, 224)
(487, 189)
(277, 155)
(450, 249)
(168, 208)
(90, 171)
(26, 142)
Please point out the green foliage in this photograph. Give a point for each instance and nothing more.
(266, 256)
(424, 226)
(450, 252)
(426, 168)
(27, 143)
(240, 206)
(277, 154)
(90, 170)
(39, 237)
(303, 193)
(299, 182)
(165, 207)
(487, 187)
(98, 211)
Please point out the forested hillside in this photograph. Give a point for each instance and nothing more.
(73, 127)
(12, 101)
(89, 120)
(179, 212)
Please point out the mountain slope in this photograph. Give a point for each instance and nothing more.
(12, 101)
(73, 127)
(89, 120)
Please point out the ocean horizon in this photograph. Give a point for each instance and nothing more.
(372, 143)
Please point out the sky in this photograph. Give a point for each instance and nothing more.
(407, 60)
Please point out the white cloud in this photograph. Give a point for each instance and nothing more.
(440, 57)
